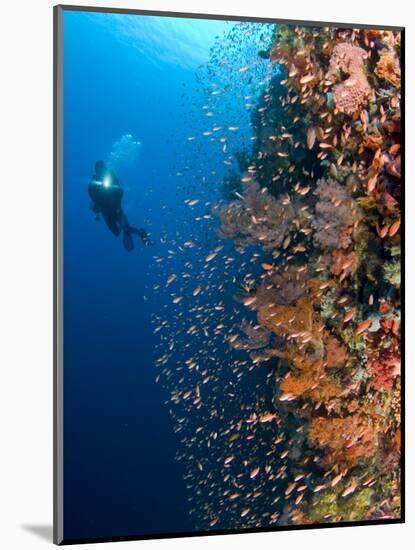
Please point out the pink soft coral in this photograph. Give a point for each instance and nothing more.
(283, 286)
(256, 219)
(337, 215)
(351, 94)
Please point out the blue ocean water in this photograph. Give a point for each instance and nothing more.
(135, 95)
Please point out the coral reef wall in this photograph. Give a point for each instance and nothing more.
(321, 197)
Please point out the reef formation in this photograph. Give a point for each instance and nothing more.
(321, 196)
(281, 364)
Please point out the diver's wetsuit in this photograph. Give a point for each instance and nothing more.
(106, 194)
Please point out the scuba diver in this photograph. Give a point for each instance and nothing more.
(106, 194)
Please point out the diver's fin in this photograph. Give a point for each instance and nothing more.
(127, 240)
(142, 233)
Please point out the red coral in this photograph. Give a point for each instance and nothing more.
(351, 94)
(383, 369)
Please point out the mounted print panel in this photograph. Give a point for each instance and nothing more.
(228, 196)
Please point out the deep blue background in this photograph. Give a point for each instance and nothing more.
(122, 75)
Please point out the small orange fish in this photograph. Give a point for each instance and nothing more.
(254, 472)
(333, 170)
(267, 417)
(350, 314)
(290, 489)
(306, 79)
(363, 326)
(249, 301)
(350, 489)
(367, 481)
(311, 137)
(293, 71)
(371, 183)
(299, 499)
(346, 264)
(335, 480)
(382, 232)
(394, 228)
(286, 396)
(210, 257)
(286, 242)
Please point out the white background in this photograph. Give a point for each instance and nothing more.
(26, 271)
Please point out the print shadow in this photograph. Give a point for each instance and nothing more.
(43, 531)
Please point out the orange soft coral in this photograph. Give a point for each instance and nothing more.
(388, 67)
(373, 141)
(311, 382)
(306, 379)
(298, 323)
(345, 439)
